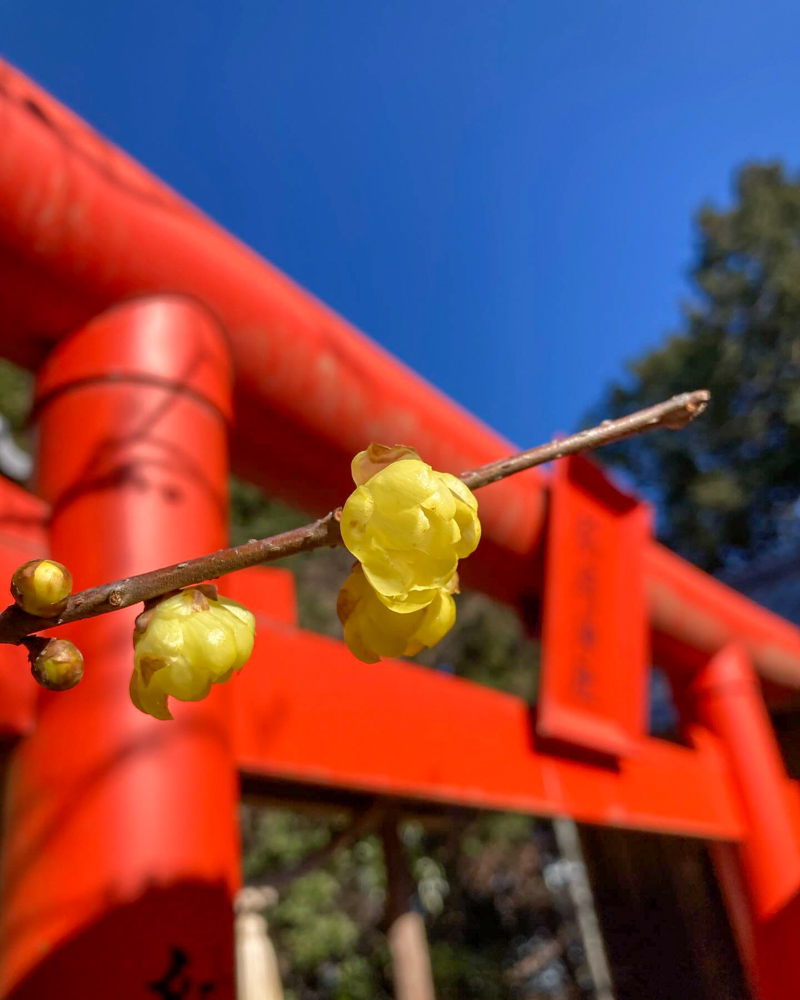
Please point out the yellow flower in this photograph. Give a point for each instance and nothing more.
(41, 587)
(407, 525)
(371, 630)
(186, 643)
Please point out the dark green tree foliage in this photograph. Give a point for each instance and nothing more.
(497, 929)
(16, 394)
(16, 397)
(727, 486)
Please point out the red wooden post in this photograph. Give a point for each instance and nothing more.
(763, 894)
(23, 536)
(122, 853)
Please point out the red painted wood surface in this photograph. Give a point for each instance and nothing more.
(308, 711)
(762, 885)
(595, 634)
(122, 853)
(23, 536)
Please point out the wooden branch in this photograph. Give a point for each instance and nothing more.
(15, 624)
(673, 414)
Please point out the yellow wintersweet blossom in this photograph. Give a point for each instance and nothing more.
(371, 630)
(186, 643)
(407, 525)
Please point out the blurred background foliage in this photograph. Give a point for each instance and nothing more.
(16, 394)
(493, 889)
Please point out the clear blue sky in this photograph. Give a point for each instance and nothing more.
(500, 193)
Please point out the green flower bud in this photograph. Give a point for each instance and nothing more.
(41, 587)
(56, 664)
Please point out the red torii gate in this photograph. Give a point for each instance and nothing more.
(121, 841)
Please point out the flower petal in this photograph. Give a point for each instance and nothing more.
(439, 618)
(151, 702)
(372, 629)
(376, 457)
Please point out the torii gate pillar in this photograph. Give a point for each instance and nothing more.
(122, 853)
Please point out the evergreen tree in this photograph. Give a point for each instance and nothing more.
(727, 487)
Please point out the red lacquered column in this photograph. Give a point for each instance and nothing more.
(122, 852)
(762, 885)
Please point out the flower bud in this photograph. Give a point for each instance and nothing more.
(184, 644)
(41, 587)
(371, 630)
(56, 664)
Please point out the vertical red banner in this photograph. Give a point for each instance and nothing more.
(595, 631)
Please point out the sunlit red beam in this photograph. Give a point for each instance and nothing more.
(308, 712)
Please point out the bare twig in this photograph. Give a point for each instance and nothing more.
(15, 624)
(674, 414)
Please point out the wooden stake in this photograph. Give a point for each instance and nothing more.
(408, 945)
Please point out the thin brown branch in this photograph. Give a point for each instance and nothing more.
(673, 414)
(15, 624)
